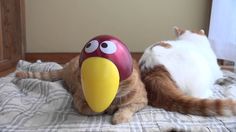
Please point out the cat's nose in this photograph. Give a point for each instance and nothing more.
(100, 81)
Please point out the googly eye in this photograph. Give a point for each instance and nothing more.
(108, 47)
(91, 46)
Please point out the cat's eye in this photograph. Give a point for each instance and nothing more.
(108, 47)
(91, 46)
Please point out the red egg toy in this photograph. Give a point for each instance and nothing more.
(104, 62)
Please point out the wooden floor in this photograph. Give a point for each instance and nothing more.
(6, 72)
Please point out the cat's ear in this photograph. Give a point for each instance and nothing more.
(201, 32)
(178, 31)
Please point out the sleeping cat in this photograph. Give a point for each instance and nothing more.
(179, 75)
(130, 98)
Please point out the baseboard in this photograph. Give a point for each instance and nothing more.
(62, 58)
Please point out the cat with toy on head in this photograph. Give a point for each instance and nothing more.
(176, 75)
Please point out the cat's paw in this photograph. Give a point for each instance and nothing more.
(21, 75)
(121, 117)
(112, 109)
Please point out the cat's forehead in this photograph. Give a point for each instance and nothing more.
(180, 32)
(198, 32)
(201, 32)
(191, 34)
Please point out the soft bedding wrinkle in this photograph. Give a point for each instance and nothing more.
(35, 105)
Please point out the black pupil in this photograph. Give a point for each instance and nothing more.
(88, 45)
(104, 45)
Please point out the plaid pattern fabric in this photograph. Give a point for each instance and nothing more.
(35, 105)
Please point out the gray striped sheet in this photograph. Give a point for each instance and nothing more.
(35, 105)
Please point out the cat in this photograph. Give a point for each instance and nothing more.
(130, 98)
(179, 75)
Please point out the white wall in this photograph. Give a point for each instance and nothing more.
(66, 25)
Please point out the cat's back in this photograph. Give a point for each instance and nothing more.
(182, 60)
(165, 52)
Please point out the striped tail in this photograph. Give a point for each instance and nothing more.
(164, 93)
(49, 76)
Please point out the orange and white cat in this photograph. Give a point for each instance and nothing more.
(131, 96)
(179, 75)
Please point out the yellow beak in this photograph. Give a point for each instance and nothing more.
(100, 81)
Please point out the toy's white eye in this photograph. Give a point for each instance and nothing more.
(108, 47)
(91, 46)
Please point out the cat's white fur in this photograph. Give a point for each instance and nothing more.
(190, 61)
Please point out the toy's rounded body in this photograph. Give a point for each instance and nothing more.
(104, 62)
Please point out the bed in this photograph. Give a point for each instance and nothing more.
(35, 105)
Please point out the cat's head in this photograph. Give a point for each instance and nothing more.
(188, 34)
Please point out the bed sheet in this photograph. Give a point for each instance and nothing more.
(35, 105)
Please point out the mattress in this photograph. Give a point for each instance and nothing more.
(35, 105)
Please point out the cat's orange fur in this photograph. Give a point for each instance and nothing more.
(164, 93)
(130, 98)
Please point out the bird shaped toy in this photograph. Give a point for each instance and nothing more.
(104, 61)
